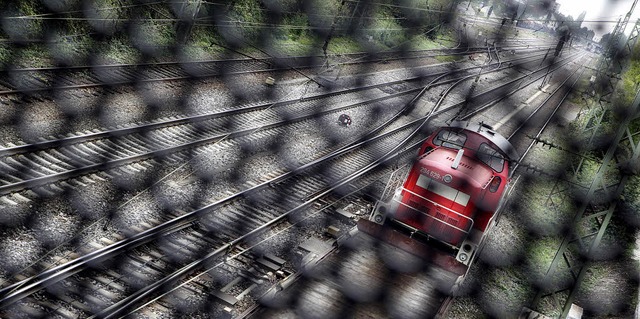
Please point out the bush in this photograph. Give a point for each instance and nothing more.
(26, 29)
(248, 17)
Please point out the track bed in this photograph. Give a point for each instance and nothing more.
(364, 278)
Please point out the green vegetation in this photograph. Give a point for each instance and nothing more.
(344, 45)
(631, 78)
(25, 28)
(603, 286)
(285, 27)
(546, 209)
(118, 51)
(590, 168)
(448, 58)
(466, 308)
(623, 97)
(540, 254)
(5, 52)
(509, 285)
(302, 46)
(31, 56)
(247, 18)
(385, 30)
(631, 193)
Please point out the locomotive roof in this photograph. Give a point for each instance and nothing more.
(487, 132)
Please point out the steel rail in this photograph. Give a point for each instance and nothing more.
(193, 119)
(23, 288)
(20, 289)
(450, 299)
(23, 283)
(162, 153)
(48, 179)
(120, 307)
(134, 77)
(505, 95)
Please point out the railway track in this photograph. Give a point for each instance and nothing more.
(182, 221)
(45, 166)
(43, 80)
(229, 222)
(431, 297)
(394, 283)
(41, 145)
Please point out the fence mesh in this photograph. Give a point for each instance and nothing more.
(72, 69)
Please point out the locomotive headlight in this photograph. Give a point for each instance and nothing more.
(495, 183)
(463, 257)
(447, 178)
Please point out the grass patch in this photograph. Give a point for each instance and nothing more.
(465, 308)
(550, 308)
(119, 50)
(298, 46)
(422, 42)
(34, 56)
(578, 96)
(504, 279)
(23, 28)
(149, 34)
(387, 34)
(604, 292)
(540, 254)
(385, 28)
(343, 45)
(71, 50)
(544, 212)
(631, 193)
(247, 11)
(449, 58)
(447, 37)
(196, 53)
(506, 290)
(5, 53)
(590, 168)
(204, 42)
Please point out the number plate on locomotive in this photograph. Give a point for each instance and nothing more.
(429, 173)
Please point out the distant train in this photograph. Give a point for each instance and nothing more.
(449, 199)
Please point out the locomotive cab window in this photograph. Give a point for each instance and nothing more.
(450, 139)
(491, 157)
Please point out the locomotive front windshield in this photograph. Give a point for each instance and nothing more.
(491, 157)
(450, 139)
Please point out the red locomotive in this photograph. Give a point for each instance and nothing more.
(450, 197)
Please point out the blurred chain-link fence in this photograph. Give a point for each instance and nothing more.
(118, 117)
